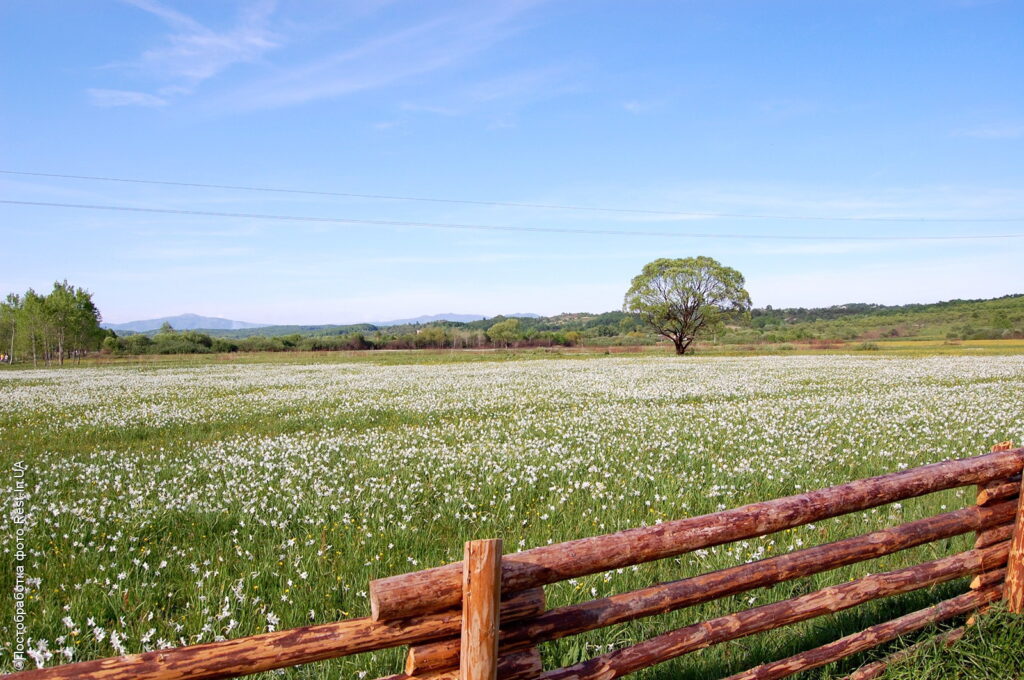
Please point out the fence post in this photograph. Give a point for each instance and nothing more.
(481, 599)
(1014, 589)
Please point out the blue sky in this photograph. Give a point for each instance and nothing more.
(790, 109)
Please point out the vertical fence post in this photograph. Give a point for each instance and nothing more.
(1014, 589)
(481, 599)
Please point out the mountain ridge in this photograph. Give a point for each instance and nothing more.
(197, 322)
(184, 322)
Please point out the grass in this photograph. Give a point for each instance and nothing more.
(884, 347)
(186, 499)
(990, 650)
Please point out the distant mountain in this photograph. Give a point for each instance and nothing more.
(429, 318)
(192, 322)
(183, 322)
(462, 318)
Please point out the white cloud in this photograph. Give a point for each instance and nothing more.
(196, 53)
(523, 84)
(193, 53)
(111, 98)
(438, 43)
(170, 15)
(637, 107)
(500, 96)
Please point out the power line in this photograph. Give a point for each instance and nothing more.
(486, 227)
(508, 204)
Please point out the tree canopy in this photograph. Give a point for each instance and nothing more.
(684, 298)
(504, 332)
(50, 327)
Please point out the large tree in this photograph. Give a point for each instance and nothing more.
(504, 332)
(684, 298)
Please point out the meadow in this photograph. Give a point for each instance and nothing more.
(176, 503)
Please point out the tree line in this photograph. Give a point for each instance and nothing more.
(684, 300)
(504, 333)
(49, 328)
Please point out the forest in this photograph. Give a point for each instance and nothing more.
(49, 328)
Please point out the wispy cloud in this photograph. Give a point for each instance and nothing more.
(195, 53)
(500, 96)
(526, 83)
(431, 45)
(112, 98)
(170, 15)
(635, 106)
(192, 52)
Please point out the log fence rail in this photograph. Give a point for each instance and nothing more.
(482, 618)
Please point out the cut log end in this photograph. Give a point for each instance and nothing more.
(997, 490)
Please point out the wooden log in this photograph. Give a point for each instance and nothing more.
(415, 659)
(992, 492)
(440, 587)
(981, 611)
(870, 637)
(981, 582)
(770, 616)
(877, 668)
(257, 653)
(998, 490)
(481, 588)
(988, 579)
(1015, 566)
(993, 535)
(660, 599)
(524, 665)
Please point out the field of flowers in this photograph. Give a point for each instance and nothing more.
(171, 506)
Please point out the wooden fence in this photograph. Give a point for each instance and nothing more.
(483, 617)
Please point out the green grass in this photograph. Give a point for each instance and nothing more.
(990, 650)
(894, 348)
(200, 497)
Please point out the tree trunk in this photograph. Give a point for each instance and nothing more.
(682, 344)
